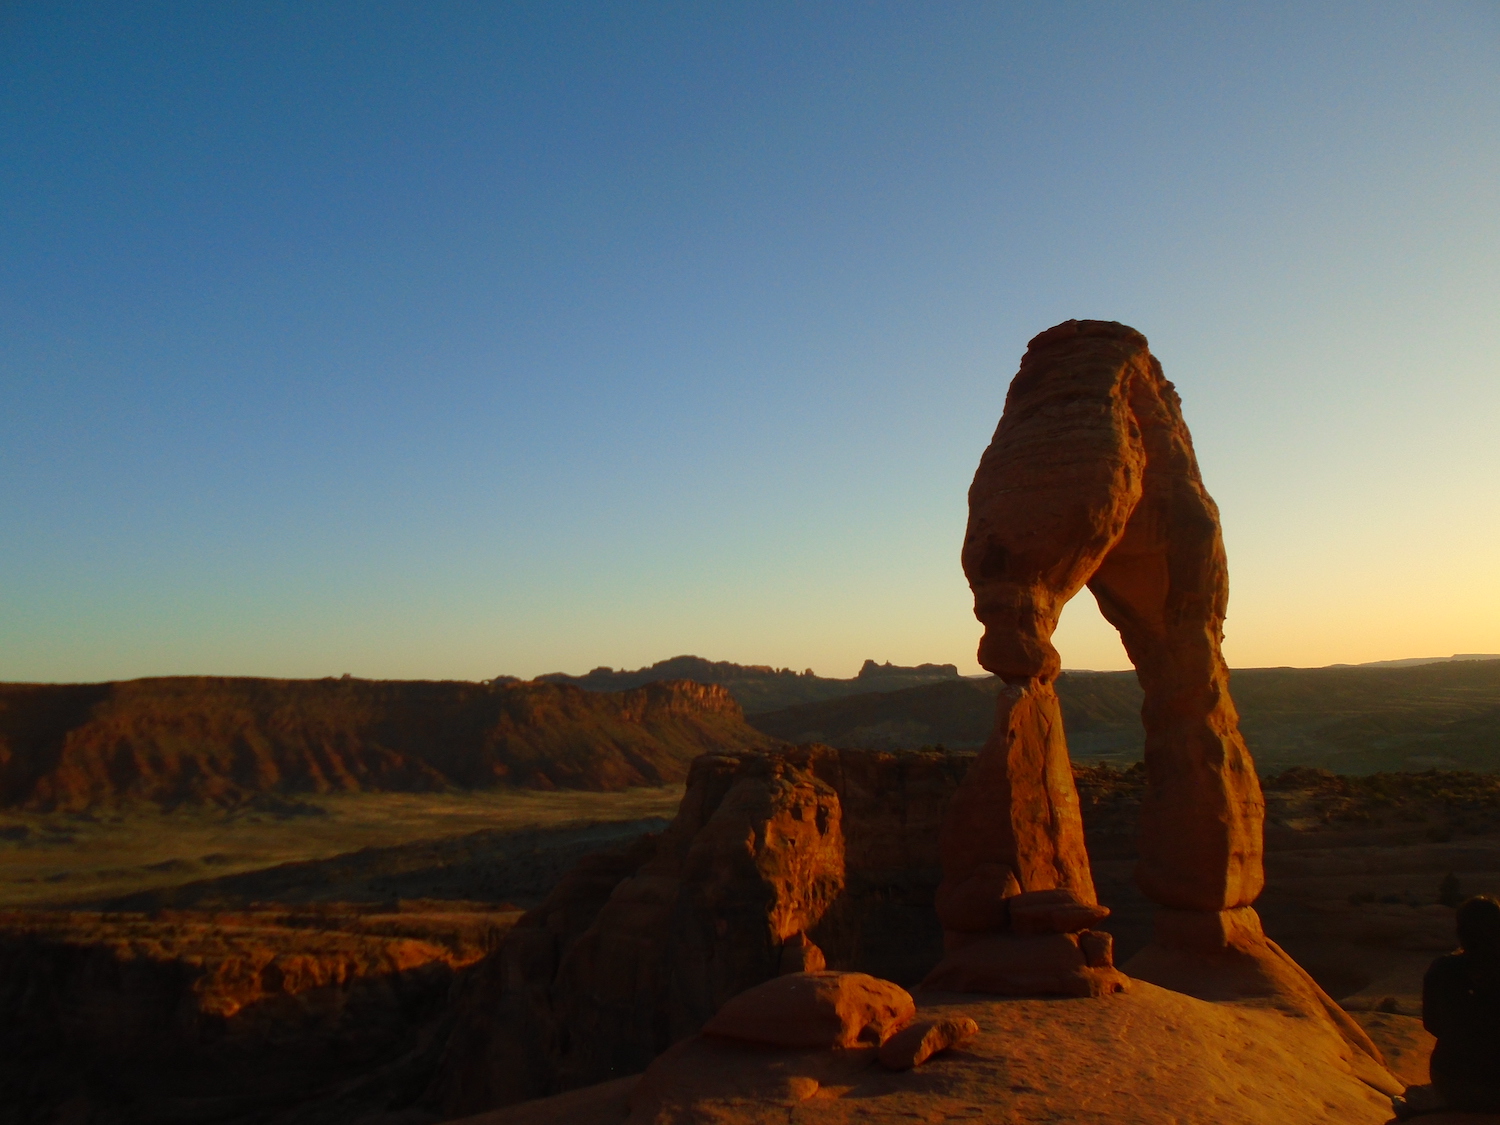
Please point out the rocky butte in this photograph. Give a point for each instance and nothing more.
(752, 959)
(224, 740)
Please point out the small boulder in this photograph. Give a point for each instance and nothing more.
(815, 1010)
(916, 1043)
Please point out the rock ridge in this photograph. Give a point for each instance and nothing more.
(225, 740)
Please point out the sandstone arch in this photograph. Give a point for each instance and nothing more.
(1091, 480)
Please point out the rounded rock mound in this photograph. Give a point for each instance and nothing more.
(819, 1010)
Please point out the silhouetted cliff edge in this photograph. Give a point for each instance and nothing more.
(760, 687)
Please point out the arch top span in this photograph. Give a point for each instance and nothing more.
(1090, 474)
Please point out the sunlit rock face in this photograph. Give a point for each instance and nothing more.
(1091, 480)
(228, 740)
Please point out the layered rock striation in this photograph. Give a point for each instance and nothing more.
(224, 740)
(1091, 480)
(227, 1016)
(759, 687)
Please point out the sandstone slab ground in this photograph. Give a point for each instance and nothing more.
(1146, 1057)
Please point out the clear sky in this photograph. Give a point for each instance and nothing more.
(449, 340)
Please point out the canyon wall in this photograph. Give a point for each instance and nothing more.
(224, 740)
(235, 1016)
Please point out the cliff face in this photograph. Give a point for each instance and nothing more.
(193, 1016)
(224, 740)
(634, 951)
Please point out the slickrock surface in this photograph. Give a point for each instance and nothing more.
(1148, 1057)
(225, 741)
(1403, 1040)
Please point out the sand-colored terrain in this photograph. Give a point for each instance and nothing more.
(1146, 1057)
(60, 859)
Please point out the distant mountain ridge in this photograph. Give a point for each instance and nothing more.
(225, 741)
(1415, 661)
(760, 687)
(1352, 720)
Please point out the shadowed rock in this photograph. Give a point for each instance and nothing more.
(776, 864)
(913, 1045)
(229, 741)
(821, 1009)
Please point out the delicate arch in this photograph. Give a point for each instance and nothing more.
(1091, 480)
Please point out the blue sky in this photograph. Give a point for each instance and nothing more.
(419, 340)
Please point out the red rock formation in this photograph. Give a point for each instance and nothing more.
(1047, 964)
(916, 1043)
(1053, 912)
(817, 1010)
(773, 861)
(1017, 811)
(507, 1043)
(225, 740)
(1091, 479)
(755, 858)
(800, 955)
(194, 1016)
